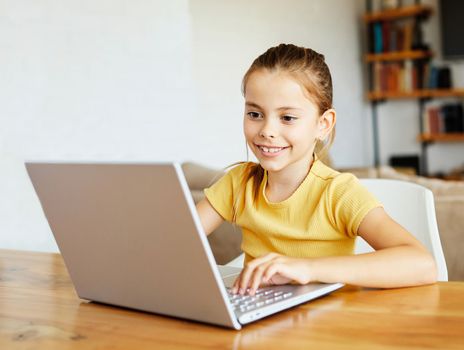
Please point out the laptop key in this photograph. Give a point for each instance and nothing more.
(261, 298)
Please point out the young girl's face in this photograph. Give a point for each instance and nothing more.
(281, 123)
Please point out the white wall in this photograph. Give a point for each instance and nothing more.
(153, 81)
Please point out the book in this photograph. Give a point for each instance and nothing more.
(386, 36)
(453, 117)
(378, 44)
(407, 36)
(448, 118)
(432, 78)
(435, 120)
(407, 76)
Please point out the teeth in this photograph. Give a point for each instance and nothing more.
(271, 150)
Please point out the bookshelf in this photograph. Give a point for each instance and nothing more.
(399, 67)
(442, 137)
(396, 13)
(398, 55)
(423, 93)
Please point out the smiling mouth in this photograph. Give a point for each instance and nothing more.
(270, 149)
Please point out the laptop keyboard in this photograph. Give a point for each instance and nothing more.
(262, 297)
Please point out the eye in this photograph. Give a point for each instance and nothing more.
(288, 118)
(254, 115)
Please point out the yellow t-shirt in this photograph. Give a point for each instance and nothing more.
(321, 218)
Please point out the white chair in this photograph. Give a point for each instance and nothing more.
(413, 207)
(410, 205)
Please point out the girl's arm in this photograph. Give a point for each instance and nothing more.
(210, 219)
(400, 260)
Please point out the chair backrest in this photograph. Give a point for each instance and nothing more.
(412, 206)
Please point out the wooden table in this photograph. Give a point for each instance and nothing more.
(39, 309)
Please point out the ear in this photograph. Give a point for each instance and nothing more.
(326, 123)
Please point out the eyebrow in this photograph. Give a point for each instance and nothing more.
(252, 104)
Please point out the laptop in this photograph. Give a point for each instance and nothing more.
(130, 236)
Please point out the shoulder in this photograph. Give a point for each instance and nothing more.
(346, 200)
(345, 190)
(239, 171)
(240, 168)
(233, 176)
(330, 176)
(334, 183)
(345, 180)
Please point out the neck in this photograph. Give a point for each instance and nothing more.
(291, 177)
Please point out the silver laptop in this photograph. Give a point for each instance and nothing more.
(130, 236)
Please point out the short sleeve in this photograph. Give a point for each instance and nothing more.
(221, 194)
(349, 202)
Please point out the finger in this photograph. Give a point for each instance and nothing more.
(244, 278)
(257, 277)
(235, 286)
(249, 269)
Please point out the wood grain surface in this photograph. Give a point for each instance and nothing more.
(39, 309)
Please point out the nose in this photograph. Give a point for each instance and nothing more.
(267, 131)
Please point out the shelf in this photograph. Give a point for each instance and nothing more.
(386, 95)
(395, 70)
(401, 12)
(398, 56)
(449, 137)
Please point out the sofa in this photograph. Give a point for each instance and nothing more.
(449, 205)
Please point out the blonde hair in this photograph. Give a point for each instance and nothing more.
(309, 69)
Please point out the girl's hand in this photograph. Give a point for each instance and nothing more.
(271, 269)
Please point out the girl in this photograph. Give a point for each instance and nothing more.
(300, 218)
